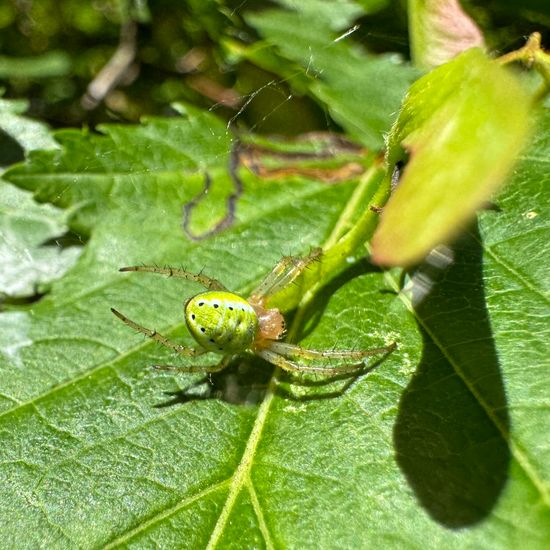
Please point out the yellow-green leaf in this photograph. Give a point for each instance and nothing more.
(461, 126)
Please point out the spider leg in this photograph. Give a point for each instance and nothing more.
(198, 368)
(288, 365)
(159, 338)
(287, 270)
(291, 350)
(206, 282)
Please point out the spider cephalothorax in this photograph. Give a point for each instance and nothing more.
(225, 323)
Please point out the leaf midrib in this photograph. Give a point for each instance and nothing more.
(242, 474)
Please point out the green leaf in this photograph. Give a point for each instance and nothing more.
(29, 134)
(361, 92)
(95, 453)
(462, 127)
(28, 254)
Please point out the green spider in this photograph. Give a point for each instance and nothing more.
(223, 322)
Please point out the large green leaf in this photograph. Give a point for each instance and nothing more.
(443, 445)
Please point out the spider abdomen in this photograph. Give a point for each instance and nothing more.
(221, 322)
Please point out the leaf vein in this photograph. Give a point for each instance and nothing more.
(164, 514)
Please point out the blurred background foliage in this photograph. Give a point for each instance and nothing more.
(52, 50)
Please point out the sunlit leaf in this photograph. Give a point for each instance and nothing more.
(459, 132)
(426, 451)
(29, 255)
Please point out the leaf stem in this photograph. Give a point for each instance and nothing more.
(532, 55)
(340, 247)
(362, 193)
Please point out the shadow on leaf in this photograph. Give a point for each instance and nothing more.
(452, 425)
(317, 306)
(246, 380)
(10, 150)
(243, 382)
